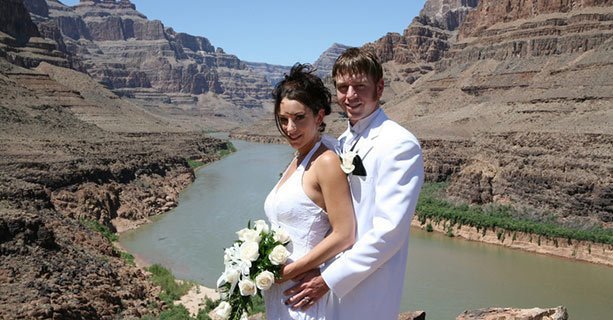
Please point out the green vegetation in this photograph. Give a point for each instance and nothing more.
(224, 152)
(175, 312)
(127, 257)
(98, 227)
(433, 205)
(171, 290)
(179, 312)
(194, 163)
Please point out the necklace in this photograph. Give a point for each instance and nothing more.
(298, 155)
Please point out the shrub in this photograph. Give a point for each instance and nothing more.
(171, 290)
(98, 227)
(194, 164)
(127, 257)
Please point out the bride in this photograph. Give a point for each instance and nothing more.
(311, 201)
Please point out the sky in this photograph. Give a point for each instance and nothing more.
(281, 32)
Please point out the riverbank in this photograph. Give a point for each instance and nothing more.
(588, 251)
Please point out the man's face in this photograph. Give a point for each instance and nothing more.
(358, 95)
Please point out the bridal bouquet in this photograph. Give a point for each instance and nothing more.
(252, 264)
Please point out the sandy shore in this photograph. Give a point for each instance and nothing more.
(194, 299)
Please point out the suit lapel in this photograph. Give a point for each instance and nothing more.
(367, 141)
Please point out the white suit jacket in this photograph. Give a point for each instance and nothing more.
(366, 281)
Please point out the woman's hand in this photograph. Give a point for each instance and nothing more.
(286, 273)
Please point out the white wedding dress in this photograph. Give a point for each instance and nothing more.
(307, 224)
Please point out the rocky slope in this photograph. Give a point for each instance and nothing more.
(58, 171)
(272, 73)
(325, 62)
(73, 152)
(530, 96)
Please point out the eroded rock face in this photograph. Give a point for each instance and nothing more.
(449, 14)
(326, 60)
(492, 12)
(44, 275)
(560, 175)
(424, 41)
(525, 90)
(16, 22)
(124, 50)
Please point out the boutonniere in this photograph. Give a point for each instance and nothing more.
(347, 161)
(351, 163)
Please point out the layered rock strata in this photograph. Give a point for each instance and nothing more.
(22, 43)
(522, 99)
(122, 49)
(325, 61)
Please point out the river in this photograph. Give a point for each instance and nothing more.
(445, 276)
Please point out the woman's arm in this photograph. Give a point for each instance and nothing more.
(338, 204)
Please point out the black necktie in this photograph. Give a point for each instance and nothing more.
(359, 169)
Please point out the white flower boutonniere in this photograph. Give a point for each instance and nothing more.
(347, 161)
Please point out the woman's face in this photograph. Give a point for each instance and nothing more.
(299, 124)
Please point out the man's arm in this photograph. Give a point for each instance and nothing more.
(397, 189)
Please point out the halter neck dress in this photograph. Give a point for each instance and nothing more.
(288, 206)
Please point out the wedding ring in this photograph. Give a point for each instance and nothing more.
(307, 299)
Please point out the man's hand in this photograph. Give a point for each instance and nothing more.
(310, 288)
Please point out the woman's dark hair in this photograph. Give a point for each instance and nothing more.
(305, 87)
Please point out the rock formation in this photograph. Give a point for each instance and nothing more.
(558, 313)
(130, 54)
(21, 42)
(472, 90)
(424, 41)
(272, 73)
(326, 60)
(527, 92)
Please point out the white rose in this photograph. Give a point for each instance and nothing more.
(264, 280)
(247, 287)
(249, 235)
(260, 226)
(249, 251)
(347, 161)
(244, 316)
(232, 276)
(280, 235)
(223, 311)
(278, 255)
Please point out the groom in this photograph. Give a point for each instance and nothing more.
(366, 281)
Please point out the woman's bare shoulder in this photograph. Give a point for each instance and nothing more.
(328, 162)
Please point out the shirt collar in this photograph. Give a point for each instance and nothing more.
(359, 127)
